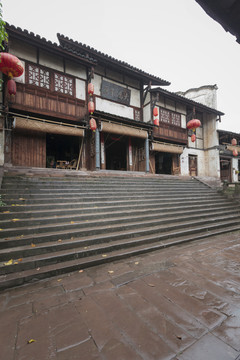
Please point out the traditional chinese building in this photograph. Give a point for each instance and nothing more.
(46, 124)
(229, 159)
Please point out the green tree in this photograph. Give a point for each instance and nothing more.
(3, 34)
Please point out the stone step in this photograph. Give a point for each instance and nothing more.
(102, 199)
(109, 218)
(28, 197)
(55, 225)
(99, 233)
(23, 247)
(96, 180)
(106, 254)
(104, 211)
(112, 205)
(101, 191)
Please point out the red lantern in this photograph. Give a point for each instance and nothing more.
(234, 142)
(91, 107)
(10, 65)
(90, 89)
(235, 153)
(156, 122)
(92, 124)
(193, 138)
(193, 124)
(11, 86)
(155, 111)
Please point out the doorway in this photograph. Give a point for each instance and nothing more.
(225, 169)
(192, 162)
(61, 148)
(116, 152)
(163, 163)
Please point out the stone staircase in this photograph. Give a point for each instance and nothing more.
(51, 226)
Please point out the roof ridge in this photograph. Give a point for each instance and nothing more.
(63, 39)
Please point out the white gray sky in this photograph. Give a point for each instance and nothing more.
(173, 39)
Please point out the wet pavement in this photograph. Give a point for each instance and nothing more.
(180, 303)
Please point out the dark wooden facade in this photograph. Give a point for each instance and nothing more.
(47, 103)
(170, 133)
(29, 149)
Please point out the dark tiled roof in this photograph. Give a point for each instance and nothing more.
(31, 37)
(186, 101)
(225, 12)
(67, 43)
(223, 132)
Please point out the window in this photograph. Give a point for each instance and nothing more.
(47, 79)
(169, 117)
(63, 84)
(38, 77)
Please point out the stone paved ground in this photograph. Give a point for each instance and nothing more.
(179, 303)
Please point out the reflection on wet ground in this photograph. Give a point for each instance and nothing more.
(180, 303)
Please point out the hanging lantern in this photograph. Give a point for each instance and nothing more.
(193, 124)
(92, 124)
(11, 86)
(90, 89)
(155, 111)
(193, 138)
(91, 107)
(234, 142)
(10, 65)
(235, 152)
(156, 122)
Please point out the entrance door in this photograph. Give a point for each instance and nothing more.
(116, 152)
(61, 149)
(192, 161)
(225, 169)
(163, 163)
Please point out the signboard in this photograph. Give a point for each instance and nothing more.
(115, 92)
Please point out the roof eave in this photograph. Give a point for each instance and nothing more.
(41, 42)
(65, 41)
(187, 101)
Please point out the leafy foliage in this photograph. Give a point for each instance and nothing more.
(3, 33)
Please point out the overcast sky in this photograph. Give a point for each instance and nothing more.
(172, 39)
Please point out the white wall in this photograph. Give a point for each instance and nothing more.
(210, 134)
(206, 95)
(80, 89)
(23, 51)
(51, 61)
(114, 108)
(147, 113)
(234, 169)
(207, 162)
(76, 70)
(185, 163)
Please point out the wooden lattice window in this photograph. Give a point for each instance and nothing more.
(169, 117)
(164, 116)
(63, 84)
(38, 76)
(176, 119)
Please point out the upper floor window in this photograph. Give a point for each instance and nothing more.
(38, 76)
(169, 117)
(63, 84)
(50, 80)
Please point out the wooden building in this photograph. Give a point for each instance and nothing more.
(229, 161)
(46, 124)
